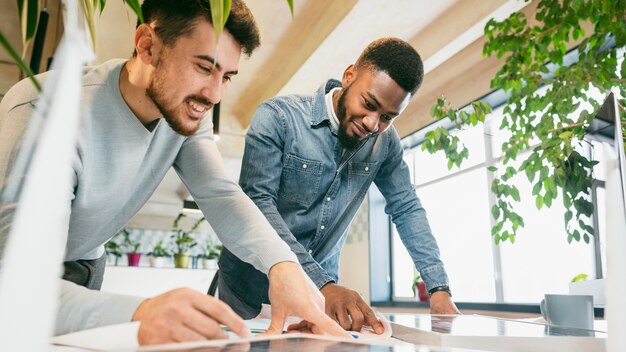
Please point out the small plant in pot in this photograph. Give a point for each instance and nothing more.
(184, 241)
(131, 248)
(114, 249)
(419, 289)
(158, 255)
(210, 255)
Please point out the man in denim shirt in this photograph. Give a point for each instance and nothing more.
(308, 164)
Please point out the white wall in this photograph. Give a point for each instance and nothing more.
(355, 261)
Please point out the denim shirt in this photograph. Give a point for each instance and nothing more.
(295, 170)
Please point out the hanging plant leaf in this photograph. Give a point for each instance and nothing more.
(29, 16)
(136, 7)
(290, 3)
(101, 4)
(217, 16)
(18, 60)
(88, 8)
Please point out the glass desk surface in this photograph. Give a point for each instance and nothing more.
(477, 325)
(300, 342)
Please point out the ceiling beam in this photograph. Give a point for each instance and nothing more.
(462, 78)
(452, 24)
(309, 28)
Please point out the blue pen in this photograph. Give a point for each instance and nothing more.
(354, 336)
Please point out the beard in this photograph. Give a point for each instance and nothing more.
(156, 93)
(348, 142)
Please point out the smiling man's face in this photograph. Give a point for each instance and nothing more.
(185, 84)
(368, 104)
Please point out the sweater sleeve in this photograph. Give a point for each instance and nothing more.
(81, 308)
(239, 224)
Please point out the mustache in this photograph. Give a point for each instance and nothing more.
(369, 132)
(200, 100)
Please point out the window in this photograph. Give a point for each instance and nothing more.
(458, 204)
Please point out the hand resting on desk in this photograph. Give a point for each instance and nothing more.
(441, 303)
(348, 308)
(185, 315)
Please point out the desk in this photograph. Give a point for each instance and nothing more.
(149, 282)
(493, 334)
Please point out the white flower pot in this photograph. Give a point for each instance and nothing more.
(210, 264)
(157, 262)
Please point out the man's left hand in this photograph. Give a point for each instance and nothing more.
(441, 303)
(348, 308)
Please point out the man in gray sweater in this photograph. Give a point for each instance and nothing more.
(139, 118)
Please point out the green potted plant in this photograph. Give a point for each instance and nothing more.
(184, 241)
(114, 249)
(210, 255)
(158, 255)
(131, 248)
(419, 289)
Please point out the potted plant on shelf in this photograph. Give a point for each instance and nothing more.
(210, 255)
(131, 248)
(419, 289)
(114, 249)
(158, 255)
(184, 241)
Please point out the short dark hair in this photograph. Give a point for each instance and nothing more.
(397, 58)
(177, 18)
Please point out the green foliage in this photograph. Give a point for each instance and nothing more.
(211, 250)
(129, 245)
(113, 247)
(290, 3)
(159, 250)
(417, 278)
(579, 277)
(441, 139)
(220, 9)
(29, 20)
(553, 165)
(18, 60)
(183, 239)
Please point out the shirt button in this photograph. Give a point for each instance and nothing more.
(328, 199)
(367, 168)
(304, 166)
(310, 251)
(322, 227)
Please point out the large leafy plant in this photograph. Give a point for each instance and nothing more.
(548, 125)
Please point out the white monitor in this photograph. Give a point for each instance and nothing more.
(607, 126)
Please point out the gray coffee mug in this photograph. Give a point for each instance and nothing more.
(575, 311)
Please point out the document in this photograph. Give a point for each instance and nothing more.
(124, 336)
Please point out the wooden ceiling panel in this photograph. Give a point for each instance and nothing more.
(307, 31)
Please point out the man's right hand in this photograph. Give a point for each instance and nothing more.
(185, 315)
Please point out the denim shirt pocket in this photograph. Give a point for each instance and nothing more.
(359, 173)
(300, 180)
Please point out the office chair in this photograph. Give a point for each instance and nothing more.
(213, 286)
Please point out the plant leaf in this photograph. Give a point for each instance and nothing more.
(29, 16)
(226, 12)
(134, 5)
(217, 17)
(18, 60)
(88, 11)
(290, 3)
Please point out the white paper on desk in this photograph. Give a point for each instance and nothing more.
(366, 331)
(110, 337)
